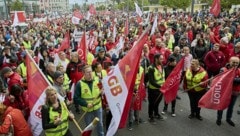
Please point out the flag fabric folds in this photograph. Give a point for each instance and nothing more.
(171, 85)
(138, 10)
(118, 85)
(140, 95)
(215, 8)
(82, 48)
(77, 16)
(88, 130)
(92, 10)
(65, 44)
(154, 25)
(219, 95)
(116, 50)
(36, 94)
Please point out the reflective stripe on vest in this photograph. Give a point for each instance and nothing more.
(66, 82)
(27, 45)
(138, 78)
(91, 96)
(50, 79)
(158, 77)
(23, 69)
(62, 128)
(193, 81)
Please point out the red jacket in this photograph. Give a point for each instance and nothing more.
(236, 85)
(20, 103)
(164, 51)
(110, 45)
(15, 78)
(214, 61)
(20, 125)
(74, 71)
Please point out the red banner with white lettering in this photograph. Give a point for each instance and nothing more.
(119, 84)
(215, 8)
(219, 95)
(171, 85)
(82, 48)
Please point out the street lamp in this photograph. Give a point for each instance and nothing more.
(192, 7)
(6, 8)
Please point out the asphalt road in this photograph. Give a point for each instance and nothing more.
(180, 125)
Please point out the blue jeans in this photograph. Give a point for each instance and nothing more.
(91, 115)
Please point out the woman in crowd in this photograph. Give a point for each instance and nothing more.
(55, 115)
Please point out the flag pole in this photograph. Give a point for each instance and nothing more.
(75, 122)
(85, 112)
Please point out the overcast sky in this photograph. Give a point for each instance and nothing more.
(82, 1)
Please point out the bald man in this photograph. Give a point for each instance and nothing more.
(233, 62)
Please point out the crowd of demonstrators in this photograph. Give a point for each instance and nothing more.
(205, 43)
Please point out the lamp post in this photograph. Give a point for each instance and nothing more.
(6, 9)
(192, 7)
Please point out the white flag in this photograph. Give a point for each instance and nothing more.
(138, 10)
(117, 48)
(75, 20)
(154, 25)
(88, 16)
(147, 20)
(15, 19)
(115, 79)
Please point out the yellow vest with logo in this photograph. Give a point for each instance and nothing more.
(193, 81)
(91, 96)
(159, 78)
(62, 128)
(27, 45)
(138, 78)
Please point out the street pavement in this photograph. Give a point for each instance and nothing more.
(180, 125)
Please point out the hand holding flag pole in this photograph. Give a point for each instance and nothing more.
(30, 57)
(85, 112)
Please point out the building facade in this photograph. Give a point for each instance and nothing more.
(54, 5)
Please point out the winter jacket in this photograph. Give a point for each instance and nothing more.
(20, 125)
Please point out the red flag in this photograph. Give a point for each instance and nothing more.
(126, 31)
(129, 68)
(88, 130)
(119, 84)
(141, 94)
(82, 48)
(219, 95)
(36, 87)
(215, 8)
(78, 14)
(171, 85)
(34, 76)
(65, 44)
(92, 9)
